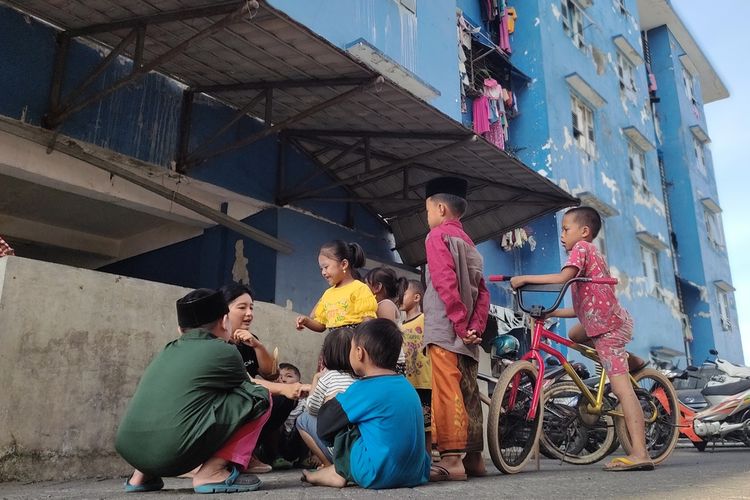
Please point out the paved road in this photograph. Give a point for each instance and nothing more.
(723, 474)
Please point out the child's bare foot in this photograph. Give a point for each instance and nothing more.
(474, 464)
(326, 476)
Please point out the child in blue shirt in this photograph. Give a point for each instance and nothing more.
(376, 426)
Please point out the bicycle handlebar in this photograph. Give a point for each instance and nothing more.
(538, 311)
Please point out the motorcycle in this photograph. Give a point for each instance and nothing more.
(725, 416)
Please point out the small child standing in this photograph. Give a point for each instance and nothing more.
(348, 301)
(456, 305)
(376, 425)
(388, 289)
(417, 368)
(605, 324)
(337, 375)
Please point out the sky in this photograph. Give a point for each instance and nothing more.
(722, 32)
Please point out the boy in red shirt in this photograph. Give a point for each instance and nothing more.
(456, 304)
(605, 324)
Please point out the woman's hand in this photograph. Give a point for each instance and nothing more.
(246, 338)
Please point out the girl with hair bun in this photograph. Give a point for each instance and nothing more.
(348, 301)
(388, 289)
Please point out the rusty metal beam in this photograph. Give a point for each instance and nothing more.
(57, 118)
(379, 134)
(70, 99)
(183, 140)
(277, 127)
(164, 17)
(283, 84)
(235, 118)
(62, 42)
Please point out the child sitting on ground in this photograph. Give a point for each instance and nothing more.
(604, 322)
(348, 301)
(336, 376)
(417, 366)
(376, 426)
(286, 447)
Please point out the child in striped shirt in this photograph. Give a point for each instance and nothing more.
(336, 376)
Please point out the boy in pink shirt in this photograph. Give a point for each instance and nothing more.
(605, 324)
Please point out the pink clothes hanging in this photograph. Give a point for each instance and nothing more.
(481, 111)
(496, 135)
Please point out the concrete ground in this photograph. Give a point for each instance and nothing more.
(724, 473)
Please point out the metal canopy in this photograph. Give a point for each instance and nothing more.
(371, 137)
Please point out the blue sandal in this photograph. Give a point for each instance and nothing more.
(152, 484)
(235, 483)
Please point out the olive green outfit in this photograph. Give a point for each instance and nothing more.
(192, 398)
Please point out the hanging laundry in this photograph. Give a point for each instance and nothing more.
(504, 34)
(512, 16)
(481, 115)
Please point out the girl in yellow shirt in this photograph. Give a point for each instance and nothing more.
(348, 301)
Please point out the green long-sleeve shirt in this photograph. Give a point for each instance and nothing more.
(193, 396)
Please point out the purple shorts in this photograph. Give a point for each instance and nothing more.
(610, 347)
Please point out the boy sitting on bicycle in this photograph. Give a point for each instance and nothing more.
(605, 324)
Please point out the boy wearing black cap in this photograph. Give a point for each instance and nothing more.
(195, 406)
(456, 305)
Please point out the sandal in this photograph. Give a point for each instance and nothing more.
(625, 464)
(439, 473)
(257, 467)
(151, 484)
(235, 483)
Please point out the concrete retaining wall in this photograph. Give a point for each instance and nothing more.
(74, 345)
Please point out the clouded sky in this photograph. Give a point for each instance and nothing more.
(721, 29)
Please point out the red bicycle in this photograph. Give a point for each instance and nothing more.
(518, 404)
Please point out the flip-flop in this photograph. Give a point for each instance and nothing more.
(235, 483)
(439, 473)
(152, 484)
(627, 465)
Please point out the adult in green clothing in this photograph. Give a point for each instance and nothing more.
(195, 407)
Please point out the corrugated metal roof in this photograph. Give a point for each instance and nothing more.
(267, 46)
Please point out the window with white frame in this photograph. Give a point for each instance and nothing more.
(572, 21)
(724, 309)
(583, 126)
(687, 79)
(714, 228)
(700, 157)
(626, 74)
(650, 260)
(620, 5)
(637, 161)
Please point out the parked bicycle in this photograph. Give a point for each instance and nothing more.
(517, 404)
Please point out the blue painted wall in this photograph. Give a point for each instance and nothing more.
(426, 43)
(700, 262)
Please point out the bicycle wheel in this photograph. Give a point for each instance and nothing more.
(565, 435)
(510, 436)
(660, 411)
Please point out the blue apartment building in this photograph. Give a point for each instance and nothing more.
(601, 100)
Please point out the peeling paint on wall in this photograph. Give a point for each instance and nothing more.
(555, 11)
(611, 184)
(649, 201)
(240, 273)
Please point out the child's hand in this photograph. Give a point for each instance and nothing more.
(472, 338)
(302, 322)
(517, 281)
